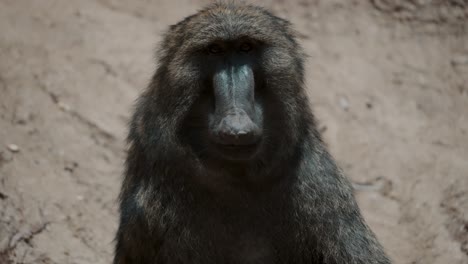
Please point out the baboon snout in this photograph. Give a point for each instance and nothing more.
(236, 128)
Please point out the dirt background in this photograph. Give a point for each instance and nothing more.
(388, 80)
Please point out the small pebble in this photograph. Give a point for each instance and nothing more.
(13, 148)
(344, 103)
(64, 107)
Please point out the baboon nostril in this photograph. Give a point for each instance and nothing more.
(239, 138)
(236, 128)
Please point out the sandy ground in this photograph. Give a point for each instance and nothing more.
(388, 80)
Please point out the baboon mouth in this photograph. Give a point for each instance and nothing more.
(237, 152)
(239, 147)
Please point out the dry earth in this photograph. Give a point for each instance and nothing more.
(388, 80)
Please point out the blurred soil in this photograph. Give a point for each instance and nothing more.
(388, 81)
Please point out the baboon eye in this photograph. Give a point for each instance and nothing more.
(245, 47)
(215, 49)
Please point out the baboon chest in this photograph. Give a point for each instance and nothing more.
(250, 249)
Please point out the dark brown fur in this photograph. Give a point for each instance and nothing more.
(291, 204)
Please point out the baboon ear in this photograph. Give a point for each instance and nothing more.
(172, 39)
(283, 22)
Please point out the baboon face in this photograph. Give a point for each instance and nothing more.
(240, 67)
(233, 106)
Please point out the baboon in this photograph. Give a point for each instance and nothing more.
(225, 164)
